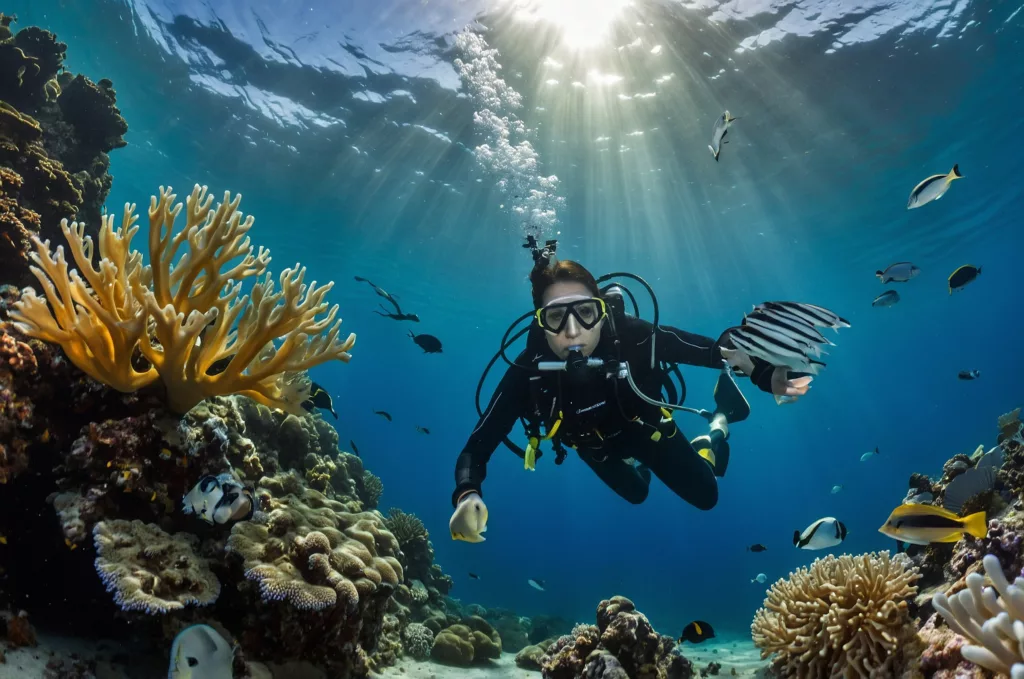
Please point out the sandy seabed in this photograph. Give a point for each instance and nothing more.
(112, 660)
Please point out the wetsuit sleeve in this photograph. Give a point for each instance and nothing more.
(678, 346)
(507, 404)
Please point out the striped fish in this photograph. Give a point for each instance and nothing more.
(786, 334)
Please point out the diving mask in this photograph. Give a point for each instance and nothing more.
(588, 313)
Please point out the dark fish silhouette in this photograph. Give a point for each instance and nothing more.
(397, 315)
(962, 276)
(423, 430)
(756, 548)
(697, 632)
(352, 444)
(428, 343)
(319, 398)
(887, 298)
(969, 374)
(383, 413)
(474, 576)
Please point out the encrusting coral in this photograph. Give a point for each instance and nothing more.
(314, 554)
(151, 571)
(990, 617)
(105, 311)
(843, 616)
(471, 641)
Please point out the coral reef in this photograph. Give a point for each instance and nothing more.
(1003, 542)
(105, 311)
(389, 645)
(150, 571)
(513, 629)
(840, 613)
(530, 657)
(623, 644)
(471, 641)
(318, 578)
(371, 490)
(417, 640)
(995, 626)
(56, 130)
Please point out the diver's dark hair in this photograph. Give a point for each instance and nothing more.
(565, 270)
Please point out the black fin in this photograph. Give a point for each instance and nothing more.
(796, 538)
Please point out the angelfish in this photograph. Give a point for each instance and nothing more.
(719, 132)
(932, 188)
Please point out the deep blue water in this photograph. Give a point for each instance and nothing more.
(842, 113)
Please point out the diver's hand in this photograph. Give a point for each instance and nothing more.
(787, 390)
(738, 360)
(469, 519)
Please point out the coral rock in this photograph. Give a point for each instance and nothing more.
(417, 640)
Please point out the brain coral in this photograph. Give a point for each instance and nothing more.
(842, 615)
(149, 570)
(313, 554)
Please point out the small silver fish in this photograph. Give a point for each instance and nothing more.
(761, 577)
(900, 272)
(932, 188)
(886, 299)
(719, 132)
(837, 488)
(867, 456)
(536, 584)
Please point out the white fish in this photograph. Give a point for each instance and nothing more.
(822, 534)
(219, 499)
(536, 584)
(900, 272)
(933, 188)
(719, 132)
(836, 489)
(199, 652)
(761, 577)
(868, 455)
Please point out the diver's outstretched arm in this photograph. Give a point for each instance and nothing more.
(510, 400)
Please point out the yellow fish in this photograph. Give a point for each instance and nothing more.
(918, 524)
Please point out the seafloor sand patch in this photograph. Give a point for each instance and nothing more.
(106, 659)
(733, 654)
(738, 654)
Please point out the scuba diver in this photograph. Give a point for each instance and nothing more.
(593, 377)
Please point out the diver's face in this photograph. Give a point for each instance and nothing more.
(573, 334)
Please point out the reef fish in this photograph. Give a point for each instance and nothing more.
(756, 548)
(868, 455)
(383, 413)
(718, 133)
(355, 450)
(969, 374)
(900, 272)
(474, 576)
(537, 584)
(918, 524)
(696, 632)
(760, 577)
(886, 299)
(933, 188)
(785, 334)
(319, 398)
(220, 499)
(428, 343)
(823, 533)
(199, 652)
(422, 430)
(837, 488)
(962, 276)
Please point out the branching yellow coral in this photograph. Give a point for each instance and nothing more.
(185, 311)
(842, 617)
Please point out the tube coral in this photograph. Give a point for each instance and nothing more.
(994, 623)
(185, 312)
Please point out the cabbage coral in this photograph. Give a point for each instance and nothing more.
(184, 312)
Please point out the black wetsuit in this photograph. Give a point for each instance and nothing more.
(604, 434)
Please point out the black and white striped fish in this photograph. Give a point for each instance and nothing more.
(786, 334)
